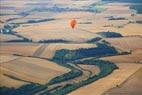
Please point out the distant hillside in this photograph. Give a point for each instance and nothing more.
(130, 1)
(136, 7)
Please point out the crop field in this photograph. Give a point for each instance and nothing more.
(116, 78)
(131, 58)
(9, 82)
(51, 48)
(127, 88)
(6, 58)
(76, 35)
(126, 43)
(21, 49)
(4, 38)
(33, 70)
(70, 47)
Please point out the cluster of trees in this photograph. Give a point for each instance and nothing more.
(7, 29)
(42, 20)
(53, 41)
(106, 68)
(94, 40)
(138, 8)
(116, 18)
(65, 55)
(110, 34)
(29, 89)
(70, 75)
(21, 40)
(36, 21)
(128, 1)
(139, 21)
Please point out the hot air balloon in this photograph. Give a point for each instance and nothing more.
(73, 23)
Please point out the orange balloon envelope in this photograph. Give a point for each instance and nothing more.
(73, 23)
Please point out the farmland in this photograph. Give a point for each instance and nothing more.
(51, 49)
(18, 49)
(126, 86)
(40, 54)
(126, 43)
(132, 58)
(28, 71)
(116, 78)
(34, 67)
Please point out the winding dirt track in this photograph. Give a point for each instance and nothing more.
(40, 50)
(116, 78)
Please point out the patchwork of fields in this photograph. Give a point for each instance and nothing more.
(40, 54)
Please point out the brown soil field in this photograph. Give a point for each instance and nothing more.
(33, 69)
(9, 82)
(22, 49)
(60, 29)
(132, 86)
(130, 58)
(7, 17)
(99, 20)
(131, 43)
(104, 84)
(6, 58)
(54, 30)
(7, 37)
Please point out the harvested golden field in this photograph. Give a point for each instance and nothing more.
(7, 37)
(132, 86)
(88, 24)
(33, 69)
(129, 30)
(6, 58)
(101, 23)
(50, 32)
(104, 84)
(131, 43)
(126, 30)
(7, 17)
(130, 58)
(9, 82)
(51, 48)
(22, 49)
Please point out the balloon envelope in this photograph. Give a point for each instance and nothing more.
(73, 23)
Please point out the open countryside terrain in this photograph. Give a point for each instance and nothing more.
(51, 49)
(40, 54)
(126, 87)
(31, 68)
